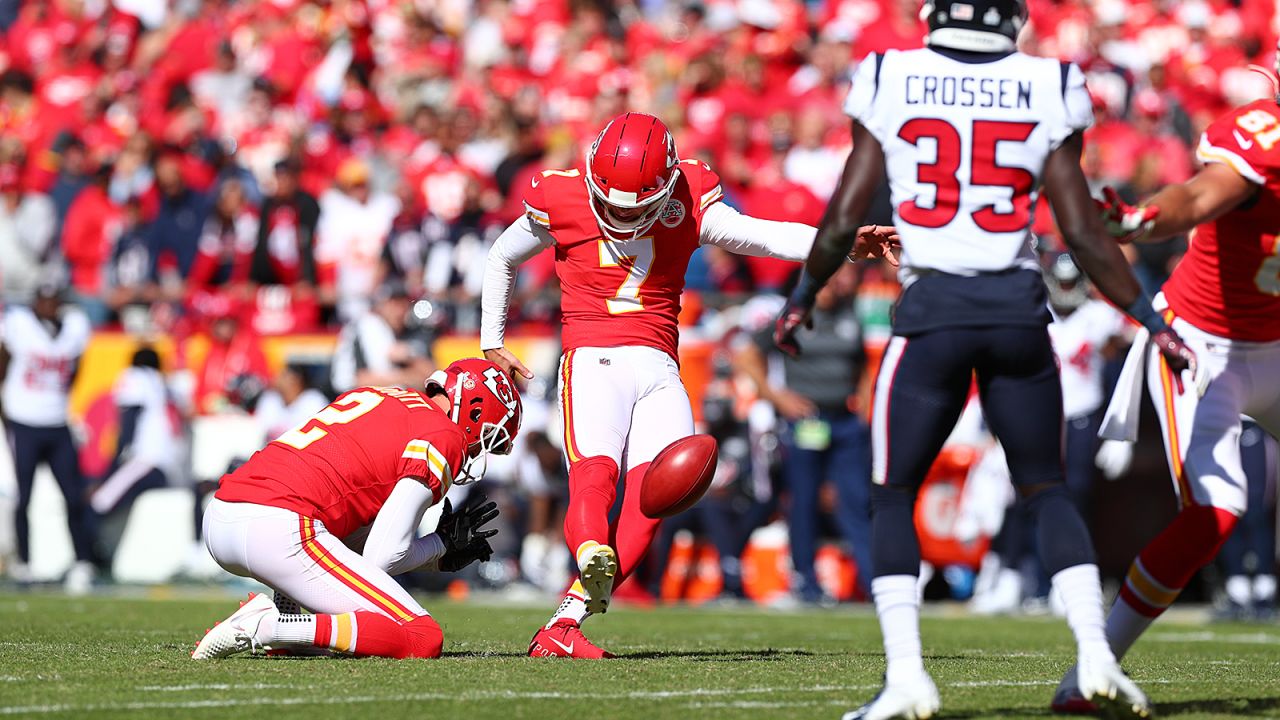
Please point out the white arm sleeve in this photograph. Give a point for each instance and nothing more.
(393, 544)
(514, 246)
(742, 234)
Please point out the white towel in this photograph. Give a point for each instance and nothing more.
(1121, 419)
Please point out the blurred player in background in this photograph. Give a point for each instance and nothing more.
(149, 450)
(362, 471)
(1224, 298)
(623, 228)
(966, 129)
(39, 360)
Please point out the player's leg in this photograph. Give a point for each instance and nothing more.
(64, 462)
(803, 473)
(597, 392)
(25, 447)
(661, 416)
(920, 393)
(849, 466)
(1263, 477)
(359, 609)
(1022, 399)
(1202, 443)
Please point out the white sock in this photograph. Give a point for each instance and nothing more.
(1239, 590)
(573, 608)
(1081, 593)
(1124, 626)
(898, 607)
(277, 629)
(1264, 588)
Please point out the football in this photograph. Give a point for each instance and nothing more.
(679, 476)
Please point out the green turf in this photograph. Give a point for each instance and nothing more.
(116, 658)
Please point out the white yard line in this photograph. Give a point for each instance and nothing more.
(234, 702)
(1257, 638)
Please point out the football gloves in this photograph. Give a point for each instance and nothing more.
(1124, 222)
(793, 317)
(465, 540)
(1179, 357)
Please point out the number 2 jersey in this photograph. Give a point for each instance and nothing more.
(1228, 283)
(965, 144)
(616, 293)
(340, 466)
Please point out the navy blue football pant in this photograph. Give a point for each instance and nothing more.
(53, 445)
(845, 462)
(927, 379)
(1256, 532)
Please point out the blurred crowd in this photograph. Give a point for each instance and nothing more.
(234, 170)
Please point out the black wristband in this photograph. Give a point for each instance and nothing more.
(1146, 315)
(806, 290)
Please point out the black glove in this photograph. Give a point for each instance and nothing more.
(464, 540)
(784, 331)
(1176, 354)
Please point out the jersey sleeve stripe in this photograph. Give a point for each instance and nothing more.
(709, 197)
(538, 216)
(436, 463)
(1208, 152)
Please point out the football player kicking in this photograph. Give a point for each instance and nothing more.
(967, 129)
(365, 467)
(1224, 298)
(623, 228)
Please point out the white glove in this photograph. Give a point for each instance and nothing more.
(1114, 458)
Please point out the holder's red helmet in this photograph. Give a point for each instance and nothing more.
(485, 404)
(631, 172)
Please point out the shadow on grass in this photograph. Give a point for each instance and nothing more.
(1246, 707)
(718, 655)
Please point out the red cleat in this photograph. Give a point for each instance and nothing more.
(565, 639)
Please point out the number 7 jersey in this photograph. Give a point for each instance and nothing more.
(1228, 283)
(620, 293)
(965, 145)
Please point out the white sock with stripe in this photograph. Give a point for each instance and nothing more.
(572, 607)
(898, 607)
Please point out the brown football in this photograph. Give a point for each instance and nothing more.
(679, 476)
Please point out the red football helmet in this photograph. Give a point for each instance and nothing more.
(485, 404)
(631, 171)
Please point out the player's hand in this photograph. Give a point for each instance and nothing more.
(1124, 222)
(509, 363)
(793, 317)
(877, 241)
(1177, 355)
(465, 540)
(1114, 458)
(792, 405)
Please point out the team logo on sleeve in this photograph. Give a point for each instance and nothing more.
(672, 214)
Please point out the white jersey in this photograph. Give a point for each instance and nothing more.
(40, 366)
(965, 145)
(1078, 340)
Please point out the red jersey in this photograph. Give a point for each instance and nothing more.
(1228, 283)
(621, 292)
(340, 466)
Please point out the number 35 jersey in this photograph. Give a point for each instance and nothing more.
(965, 145)
(616, 293)
(340, 465)
(1228, 283)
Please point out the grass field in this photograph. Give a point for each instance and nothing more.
(116, 658)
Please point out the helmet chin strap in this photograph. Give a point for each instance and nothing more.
(492, 438)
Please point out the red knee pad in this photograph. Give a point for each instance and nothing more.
(1189, 543)
(425, 637)
(594, 474)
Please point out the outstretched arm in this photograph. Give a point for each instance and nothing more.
(517, 244)
(1177, 209)
(745, 235)
(1098, 254)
